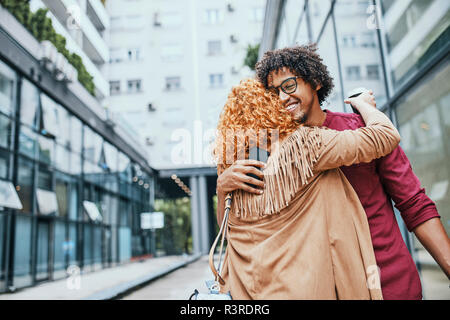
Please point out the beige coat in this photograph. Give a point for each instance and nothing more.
(307, 236)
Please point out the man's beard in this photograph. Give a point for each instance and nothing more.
(301, 118)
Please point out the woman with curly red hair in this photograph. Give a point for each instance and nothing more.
(306, 236)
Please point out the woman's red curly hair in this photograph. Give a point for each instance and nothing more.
(249, 106)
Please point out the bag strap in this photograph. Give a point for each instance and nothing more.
(222, 235)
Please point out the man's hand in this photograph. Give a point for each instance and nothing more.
(235, 177)
(366, 97)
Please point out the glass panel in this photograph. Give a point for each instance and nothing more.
(87, 238)
(92, 172)
(62, 158)
(47, 202)
(424, 122)
(359, 49)
(92, 211)
(29, 103)
(327, 50)
(25, 184)
(114, 244)
(415, 33)
(76, 129)
(124, 244)
(8, 196)
(113, 206)
(92, 145)
(75, 164)
(73, 204)
(44, 178)
(46, 149)
(4, 164)
(301, 36)
(22, 252)
(60, 245)
(97, 244)
(72, 243)
(106, 245)
(111, 155)
(318, 10)
(124, 167)
(124, 213)
(293, 9)
(50, 116)
(284, 38)
(63, 126)
(3, 222)
(27, 141)
(7, 88)
(42, 250)
(62, 195)
(5, 132)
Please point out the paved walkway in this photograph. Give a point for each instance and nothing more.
(178, 285)
(103, 284)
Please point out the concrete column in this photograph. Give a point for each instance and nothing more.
(204, 215)
(195, 215)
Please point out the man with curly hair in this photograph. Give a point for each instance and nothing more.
(301, 80)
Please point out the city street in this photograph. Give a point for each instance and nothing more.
(178, 285)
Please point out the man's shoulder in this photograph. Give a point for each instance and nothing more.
(344, 120)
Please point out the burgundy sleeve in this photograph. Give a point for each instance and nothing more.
(403, 186)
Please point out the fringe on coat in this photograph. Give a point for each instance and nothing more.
(288, 169)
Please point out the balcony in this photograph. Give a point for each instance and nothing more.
(90, 18)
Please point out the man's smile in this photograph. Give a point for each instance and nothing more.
(291, 107)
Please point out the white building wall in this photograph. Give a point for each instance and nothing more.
(179, 48)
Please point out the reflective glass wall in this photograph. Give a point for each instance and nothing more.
(400, 50)
(80, 196)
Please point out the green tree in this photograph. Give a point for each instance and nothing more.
(252, 56)
(175, 238)
(40, 26)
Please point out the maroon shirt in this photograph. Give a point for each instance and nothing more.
(377, 183)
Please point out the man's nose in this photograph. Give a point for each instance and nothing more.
(283, 96)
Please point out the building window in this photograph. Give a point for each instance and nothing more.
(349, 41)
(114, 87)
(213, 16)
(373, 72)
(173, 83)
(134, 54)
(216, 80)
(134, 86)
(7, 85)
(214, 47)
(29, 103)
(115, 55)
(368, 40)
(5, 132)
(353, 73)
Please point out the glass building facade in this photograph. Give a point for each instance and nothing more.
(80, 195)
(398, 48)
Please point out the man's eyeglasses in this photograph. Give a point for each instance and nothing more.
(288, 86)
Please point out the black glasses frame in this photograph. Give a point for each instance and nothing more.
(277, 89)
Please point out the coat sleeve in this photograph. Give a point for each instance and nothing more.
(344, 148)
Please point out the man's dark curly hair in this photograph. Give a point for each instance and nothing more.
(304, 61)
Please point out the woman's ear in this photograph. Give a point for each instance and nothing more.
(318, 87)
